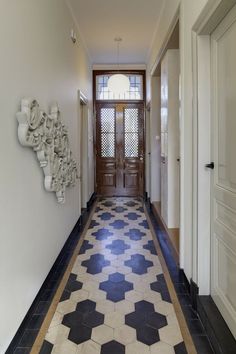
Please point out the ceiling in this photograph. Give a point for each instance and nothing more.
(100, 21)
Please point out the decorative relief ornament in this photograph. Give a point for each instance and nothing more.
(48, 137)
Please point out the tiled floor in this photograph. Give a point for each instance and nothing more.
(116, 300)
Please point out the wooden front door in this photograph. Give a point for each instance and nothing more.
(119, 149)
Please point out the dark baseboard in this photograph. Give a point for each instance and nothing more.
(217, 330)
(50, 285)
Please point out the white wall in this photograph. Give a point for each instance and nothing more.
(189, 12)
(37, 59)
(155, 137)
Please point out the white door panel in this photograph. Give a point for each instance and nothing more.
(223, 191)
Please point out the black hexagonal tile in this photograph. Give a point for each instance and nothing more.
(86, 306)
(85, 246)
(73, 284)
(108, 203)
(132, 216)
(144, 223)
(95, 263)
(138, 263)
(131, 203)
(144, 306)
(80, 334)
(93, 223)
(180, 348)
(102, 234)
(93, 319)
(156, 320)
(135, 234)
(150, 247)
(118, 247)
(161, 287)
(46, 348)
(113, 347)
(135, 319)
(106, 216)
(72, 319)
(147, 335)
(116, 290)
(119, 224)
(116, 277)
(119, 209)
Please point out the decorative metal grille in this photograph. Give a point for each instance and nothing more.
(131, 120)
(107, 132)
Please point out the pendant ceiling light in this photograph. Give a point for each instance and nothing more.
(118, 83)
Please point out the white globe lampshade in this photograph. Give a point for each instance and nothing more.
(118, 84)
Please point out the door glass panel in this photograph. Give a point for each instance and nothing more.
(131, 132)
(226, 109)
(107, 132)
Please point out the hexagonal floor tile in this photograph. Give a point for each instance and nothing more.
(113, 347)
(125, 334)
(102, 334)
(114, 319)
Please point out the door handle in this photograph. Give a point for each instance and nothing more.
(210, 165)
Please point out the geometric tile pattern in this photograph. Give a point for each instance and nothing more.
(116, 300)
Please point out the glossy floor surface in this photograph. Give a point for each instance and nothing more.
(116, 300)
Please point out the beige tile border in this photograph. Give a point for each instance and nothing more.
(52, 309)
(178, 310)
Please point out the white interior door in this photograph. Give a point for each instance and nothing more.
(223, 185)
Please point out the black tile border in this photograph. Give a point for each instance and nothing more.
(217, 330)
(186, 291)
(27, 331)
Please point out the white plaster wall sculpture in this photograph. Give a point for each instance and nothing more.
(48, 137)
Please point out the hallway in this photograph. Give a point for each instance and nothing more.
(116, 299)
(118, 177)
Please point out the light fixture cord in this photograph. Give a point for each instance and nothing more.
(118, 55)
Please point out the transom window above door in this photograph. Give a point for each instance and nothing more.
(135, 91)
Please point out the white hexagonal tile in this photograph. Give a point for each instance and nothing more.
(65, 347)
(56, 320)
(57, 334)
(109, 270)
(97, 295)
(79, 295)
(124, 270)
(89, 347)
(125, 335)
(172, 319)
(124, 307)
(105, 306)
(102, 334)
(164, 308)
(114, 319)
(161, 348)
(152, 296)
(137, 348)
(66, 306)
(133, 296)
(171, 334)
(90, 286)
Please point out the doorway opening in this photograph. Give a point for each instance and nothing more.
(165, 139)
(119, 146)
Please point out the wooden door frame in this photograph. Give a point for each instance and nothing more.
(143, 101)
(208, 20)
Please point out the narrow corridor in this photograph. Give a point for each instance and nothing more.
(116, 299)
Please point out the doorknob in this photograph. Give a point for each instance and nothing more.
(210, 165)
(141, 158)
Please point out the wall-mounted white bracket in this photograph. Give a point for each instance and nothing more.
(48, 137)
